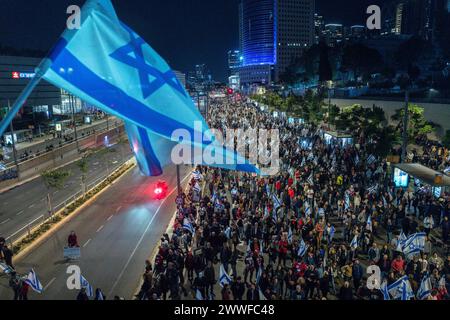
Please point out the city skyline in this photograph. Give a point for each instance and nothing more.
(187, 40)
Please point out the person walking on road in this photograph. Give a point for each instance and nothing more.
(15, 284)
(8, 255)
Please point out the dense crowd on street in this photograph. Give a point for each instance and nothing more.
(308, 232)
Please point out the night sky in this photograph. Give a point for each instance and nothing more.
(184, 32)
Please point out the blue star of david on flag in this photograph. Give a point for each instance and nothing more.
(131, 54)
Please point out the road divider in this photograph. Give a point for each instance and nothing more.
(25, 239)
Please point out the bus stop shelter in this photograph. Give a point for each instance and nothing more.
(437, 180)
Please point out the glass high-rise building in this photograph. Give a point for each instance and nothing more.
(274, 34)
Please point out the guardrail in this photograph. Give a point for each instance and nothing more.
(39, 221)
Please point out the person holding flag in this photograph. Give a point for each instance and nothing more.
(33, 281)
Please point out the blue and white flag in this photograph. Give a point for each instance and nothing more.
(310, 179)
(370, 159)
(290, 236)
(372, 189)
(106, 64)
(268, 190)
(384, 291)
(187, 225)
(307, 209)
(198, 295)
(274, 216)
(228, 232)
(414, 244)
(356, 160)
(406, 291)
(99, 295)
(302, 248)
(425, 288)
(384, 201)
(224, 278)
(442, 283)
(249, 248)
(369, 223)
(400, 242)
(196, 187)
(5, 268)
(401, 289)
(347, 201)
(196, 175)
(219, 206)
(85, 284)
(33, 281)
(276, 202)
(331, 233)
(258, 275)
(354, 242)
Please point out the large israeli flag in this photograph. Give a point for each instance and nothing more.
(224, 278)
(401, 289)
(33, 281)
(187, 225)
(414, 244)
(425, 288)
(108, 65)
(384, 291)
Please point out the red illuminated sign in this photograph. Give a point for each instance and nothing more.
(15, 75)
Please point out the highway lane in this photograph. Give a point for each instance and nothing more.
(23, 204)
(117, 233)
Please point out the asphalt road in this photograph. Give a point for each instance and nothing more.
(25, 203)
(116, 233)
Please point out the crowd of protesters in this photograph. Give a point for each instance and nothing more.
(289, 236)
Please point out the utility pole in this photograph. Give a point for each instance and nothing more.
(405, 126)
(11, 128)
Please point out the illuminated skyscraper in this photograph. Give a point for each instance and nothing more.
(274, 33)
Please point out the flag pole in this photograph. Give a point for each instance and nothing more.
(40, 71)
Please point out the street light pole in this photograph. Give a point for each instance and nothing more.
(405, 126)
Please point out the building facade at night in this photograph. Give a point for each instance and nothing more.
(44, 102)
(234, 62)
(274, 33)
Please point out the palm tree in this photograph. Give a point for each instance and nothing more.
(83, 165)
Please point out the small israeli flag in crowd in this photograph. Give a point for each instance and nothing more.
(196, 187)
(354, 242)
(224, 278)
(369, 223)
(187, 225)
(310, 179)
(259, 274)
(5, 268)
(372, 189)
(384, 291)
(85, 284)
(99, 295)
(401, 289)
(274, 216)
(302, 248)
(196, 175)
(356, 159)
(332, 232)
(307, 209)
(290, 236)
(425, 287)
(414, 244)
(228, 232)
(384, 201)
(33, 281)
(276, 202)
(406, 290)
(198, 295)
(268, 189)
(347, 201)
(310, 156)
(371, 159)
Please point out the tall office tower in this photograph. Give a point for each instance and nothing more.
(274, 33)
(295, 31)
(399, 18)
(319, 28)
(240, 12)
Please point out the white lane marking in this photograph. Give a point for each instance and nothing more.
(84, 245)
(19, 213)
(142, 238)
(31, 206)
(101, 227)
(49, 283)
(118, 208)
(109, 217)
(5, 221)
